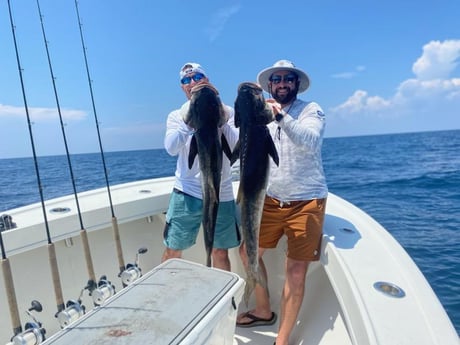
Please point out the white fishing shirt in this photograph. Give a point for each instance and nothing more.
(177, 143)
(298, 139)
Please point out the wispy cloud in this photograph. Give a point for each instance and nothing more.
(349, 75)
(219, 19)
(41, 114)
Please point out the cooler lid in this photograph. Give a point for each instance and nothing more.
(162, 307)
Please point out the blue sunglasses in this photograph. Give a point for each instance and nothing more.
(196, 77)
(289, 78)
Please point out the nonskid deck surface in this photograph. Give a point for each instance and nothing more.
(320, 319)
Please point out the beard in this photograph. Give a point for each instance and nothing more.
(285, 98)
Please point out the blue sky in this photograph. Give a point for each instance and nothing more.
(375, 66)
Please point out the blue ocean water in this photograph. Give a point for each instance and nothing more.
(410, 183)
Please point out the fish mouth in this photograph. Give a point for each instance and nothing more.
(202, 86)
(248, 86)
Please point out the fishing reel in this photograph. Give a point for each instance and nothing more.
(6, 222)
(132, 271)
(74, 309)
(33, 333)
(104, 290)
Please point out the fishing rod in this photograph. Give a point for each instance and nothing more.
(91, 285)
(102, 289)
(33, 330)
(9, 288)
(51, 248)
(17, 329)
(116, 231)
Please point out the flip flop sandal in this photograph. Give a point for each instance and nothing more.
(256, 321)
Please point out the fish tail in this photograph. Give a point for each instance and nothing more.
(208, 259)
(251, 282)
(248, 289)
(262, 281)
(209, 243)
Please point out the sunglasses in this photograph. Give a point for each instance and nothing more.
(288, 78)
(196, 78)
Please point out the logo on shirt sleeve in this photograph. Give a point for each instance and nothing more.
(320, 113)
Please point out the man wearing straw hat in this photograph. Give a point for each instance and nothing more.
(296, 194)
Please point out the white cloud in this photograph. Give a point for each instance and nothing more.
(439, 60)
(432, 91)
(41, 114)
(419, 90)
(361, 102)
(218, 21)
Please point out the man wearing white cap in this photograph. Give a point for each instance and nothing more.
(296, 193)
(184, 214)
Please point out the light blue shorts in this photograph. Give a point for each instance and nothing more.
(183, 221)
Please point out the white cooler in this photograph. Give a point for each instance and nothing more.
(178, 302)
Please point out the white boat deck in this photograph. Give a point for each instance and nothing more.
(320, 320)
(341, 305)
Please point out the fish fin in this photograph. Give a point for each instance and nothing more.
(235, 153)
(226, 147)
(272, 150)
(193, 152)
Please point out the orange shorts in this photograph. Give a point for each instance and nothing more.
(302, 223)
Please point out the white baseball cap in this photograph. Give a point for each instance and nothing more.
(191, 67)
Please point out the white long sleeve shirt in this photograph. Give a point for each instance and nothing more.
(298, 139)
(177, 143)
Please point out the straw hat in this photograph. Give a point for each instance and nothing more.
(263, 77)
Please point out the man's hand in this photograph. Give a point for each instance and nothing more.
(184, 112)
(276, 107)
(278, 113)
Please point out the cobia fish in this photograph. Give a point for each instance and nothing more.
(206, 114)
(253, 148)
